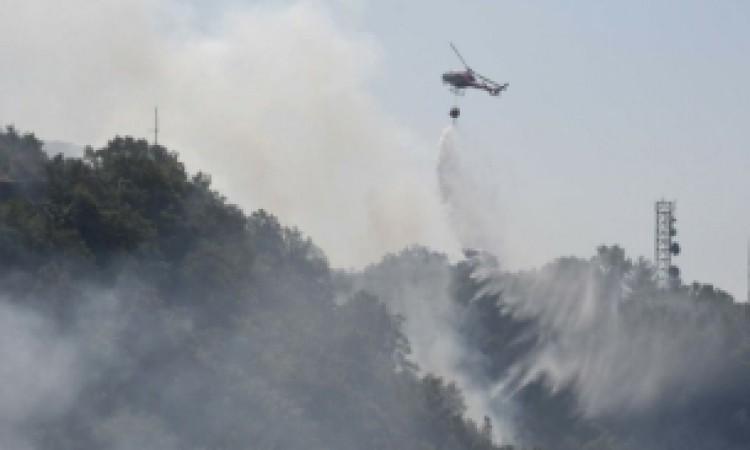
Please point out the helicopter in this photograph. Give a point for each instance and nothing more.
(462, 79)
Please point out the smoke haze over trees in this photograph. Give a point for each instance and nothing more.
(139, 309)
(585, 354)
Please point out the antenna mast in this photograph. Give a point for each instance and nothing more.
(156, 126)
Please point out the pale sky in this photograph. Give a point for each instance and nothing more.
(611, 106)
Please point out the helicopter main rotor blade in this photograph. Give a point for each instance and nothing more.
(455, 50)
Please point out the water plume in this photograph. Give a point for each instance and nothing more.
(466, 193)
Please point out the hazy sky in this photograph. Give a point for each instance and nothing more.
(611, 106)
(329, 112)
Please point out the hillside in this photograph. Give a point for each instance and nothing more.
(140, 309)
(144, 311)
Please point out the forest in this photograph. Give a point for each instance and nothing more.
(141, 309)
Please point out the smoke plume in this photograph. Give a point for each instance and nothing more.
(39, 375)
(417, 285)
(273, 100)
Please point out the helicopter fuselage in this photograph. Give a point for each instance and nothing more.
(460, 79)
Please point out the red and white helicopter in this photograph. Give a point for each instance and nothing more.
(461, 79)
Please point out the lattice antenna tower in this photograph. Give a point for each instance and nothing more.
(665, 246)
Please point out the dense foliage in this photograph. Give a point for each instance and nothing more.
(142, 310)
(589, 353)
(194, 326)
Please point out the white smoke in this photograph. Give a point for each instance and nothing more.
(39, 373)
(416, 284)
(273, 100)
